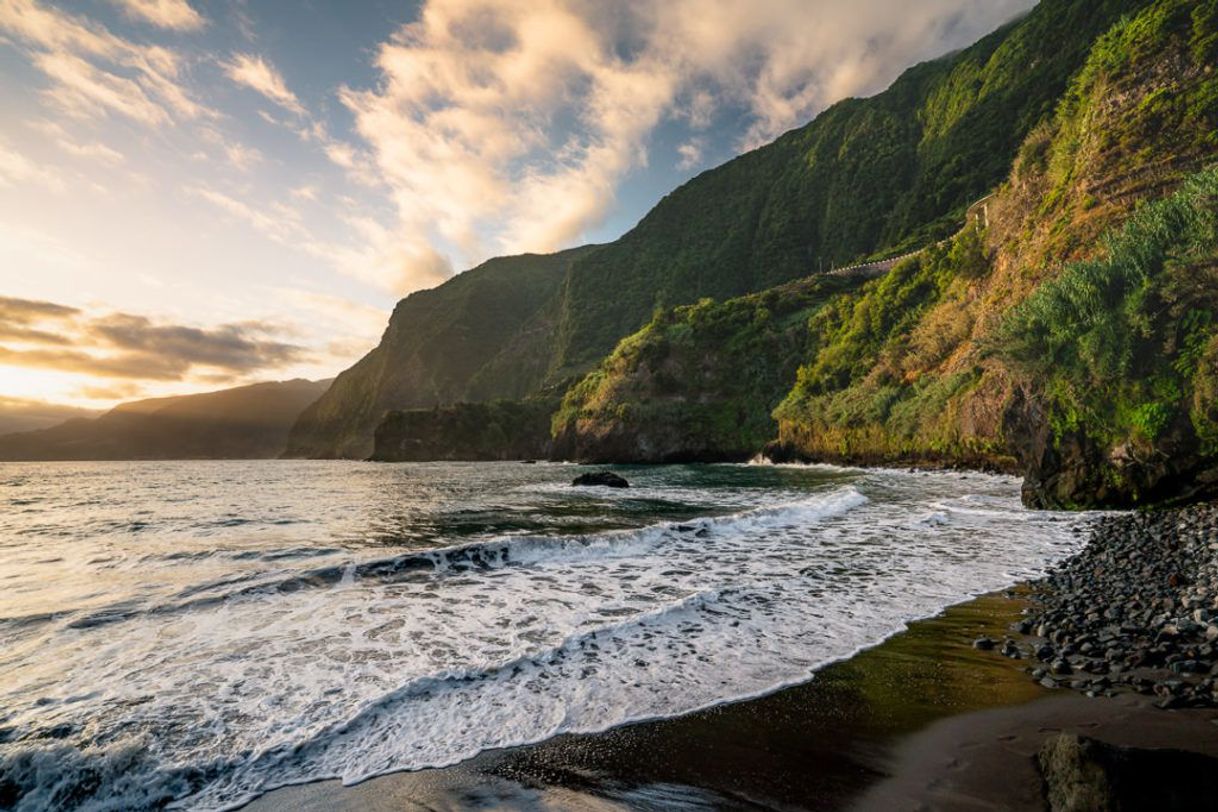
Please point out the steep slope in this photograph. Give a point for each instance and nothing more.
(1080, 349)
(443, 345)
(247, 422)
(867, 176)
(697, 383)
(494, 430)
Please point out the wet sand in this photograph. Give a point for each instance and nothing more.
(922, 721)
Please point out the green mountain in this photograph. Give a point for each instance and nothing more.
(1068, 332)
(247, 422)
(1065, 325)
(867, 176)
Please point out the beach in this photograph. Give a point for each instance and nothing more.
(925, 720)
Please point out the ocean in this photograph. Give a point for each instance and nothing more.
(194, 634)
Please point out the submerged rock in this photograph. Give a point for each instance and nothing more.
(606, 478)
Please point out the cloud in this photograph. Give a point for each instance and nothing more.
(306, 191)
(176, 15)
(47, 335)
(502, 126)
(93, 72)
(27, 311)
(16, 169)
(690, 153)
(142, 367)
(256, 73)
(121, 390)
(372, 254)
(229, 347)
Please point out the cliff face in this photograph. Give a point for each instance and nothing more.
(868, 175)
(1077, 349)
(247, 422)
(497, 430)
(470, 339)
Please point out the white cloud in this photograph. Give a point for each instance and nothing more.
(16, 169)
(306, 191)
(373, 254)
(95, 152)
(690, 153)
(93, 72)
(175, 15)
(256, 73)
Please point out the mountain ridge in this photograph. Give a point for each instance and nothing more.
(244, 422)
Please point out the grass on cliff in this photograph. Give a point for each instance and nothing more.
(700, 379)
(1126, 344)
(898, 371)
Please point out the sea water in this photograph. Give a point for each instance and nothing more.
(197, 633)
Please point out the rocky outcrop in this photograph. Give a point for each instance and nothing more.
(1085, 775)
(1072, 469)
(606, 479)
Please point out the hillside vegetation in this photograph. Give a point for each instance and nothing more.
(697, 383)
(1073, 349)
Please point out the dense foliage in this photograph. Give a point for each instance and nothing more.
(927, 365)
(1123, 343)
(697, 382)
(856, 397)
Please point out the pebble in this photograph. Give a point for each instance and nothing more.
(1135, 610)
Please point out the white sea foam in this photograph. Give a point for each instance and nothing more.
(374, 663)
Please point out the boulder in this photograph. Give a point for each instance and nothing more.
(607, 479)
(1085, 775)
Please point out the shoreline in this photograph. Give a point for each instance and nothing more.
(940, 715)
(824, 741)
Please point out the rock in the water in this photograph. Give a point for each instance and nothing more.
(983, 644)
(606, 478)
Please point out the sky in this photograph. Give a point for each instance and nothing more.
(197, 194)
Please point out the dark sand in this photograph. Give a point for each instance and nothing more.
(921, 721)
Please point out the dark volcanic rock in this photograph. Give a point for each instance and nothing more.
(1085, 775)
(1072, 469)
(605, 478)
(1135, 607)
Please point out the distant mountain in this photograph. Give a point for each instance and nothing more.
(247, 422)
(20, 414)
(867, 176)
